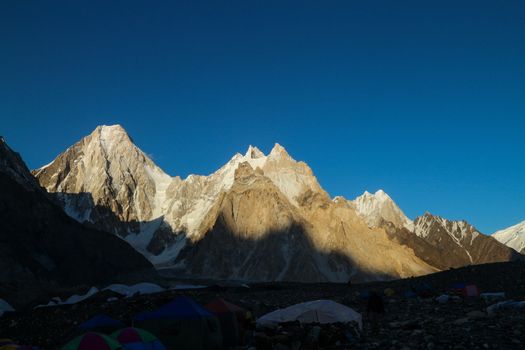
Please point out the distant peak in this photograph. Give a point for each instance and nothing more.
(111, 127)
(429, 216)
(379, 195)
(254, 153)
(110, 135)
(279, 151)
(237, 156)
(110, 130)
(339, 199)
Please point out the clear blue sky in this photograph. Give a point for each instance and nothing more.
(425, 99)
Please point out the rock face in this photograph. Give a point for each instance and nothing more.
(259, 217)
(106, 180)
(439, 242)
(258, 234)
(41, 246)
(513, 237)
(460, 243)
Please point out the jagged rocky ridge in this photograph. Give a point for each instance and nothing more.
(439, 242)
(41, 247)
(259, 217)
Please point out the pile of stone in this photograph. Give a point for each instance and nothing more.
(295, 336)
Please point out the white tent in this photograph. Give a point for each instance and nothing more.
(317, 311)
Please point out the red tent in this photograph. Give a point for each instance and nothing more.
(232, 318)
(465, 289)
(220, 306)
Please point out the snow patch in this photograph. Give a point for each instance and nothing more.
(162, 182)
(110, 136)
(71, 210)
(513, 237)
(72, 299)
(5, 307)
(139, 288)
(169, 254)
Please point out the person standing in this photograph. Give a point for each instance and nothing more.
(375, 310)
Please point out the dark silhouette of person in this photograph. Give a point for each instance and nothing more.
(375, 310)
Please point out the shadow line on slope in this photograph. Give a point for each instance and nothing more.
(277, 255)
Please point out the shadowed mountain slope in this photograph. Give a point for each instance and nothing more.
(40, 246)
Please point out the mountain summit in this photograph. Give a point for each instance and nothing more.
(258, 217)
(459, 242)
(254, 153)
(513, 237)
(379, 207)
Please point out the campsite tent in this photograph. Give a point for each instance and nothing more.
(318, 311)
(232, 319)
(465, 289)
(137, 339)
(424, 290)
(5, 341)
(92, 341)
(182, 324)
(101, 323)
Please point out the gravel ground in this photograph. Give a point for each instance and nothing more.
(408, 323)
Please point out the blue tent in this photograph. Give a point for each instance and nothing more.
(101, 321)
(179, 308)
(182, 324)
(459, 285)
(409, 294)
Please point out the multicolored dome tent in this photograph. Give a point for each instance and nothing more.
(137, 339)
(92, 341)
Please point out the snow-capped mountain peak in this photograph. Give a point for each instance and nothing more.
(107, 169)
(110, 136)
(382, 196)
(458, 230)
(279, 151)
(107, 180)
(379, 207)
(461, 241)
(254, 153)
(513, 237)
